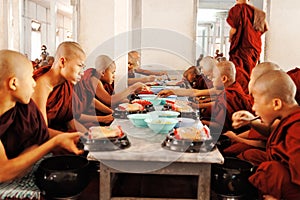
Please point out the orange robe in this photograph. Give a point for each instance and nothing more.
(232, 99)
(21, 127)
(245, 46)
(295, 75)
(279, 174)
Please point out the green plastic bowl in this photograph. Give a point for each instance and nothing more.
(161, 125)
(138, 120)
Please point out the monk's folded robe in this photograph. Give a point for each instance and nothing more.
(245, 46)
(295, 75)
(282, 169)
(230, 100)
(22, 127)
(62, 104)
(237, 148)
(202, 82)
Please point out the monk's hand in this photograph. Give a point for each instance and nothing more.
(241, 118)
(106, 119)
(165, 93)
(269, 197)
(230, 134)
(68, 141)
(137, 87)
(150, 78)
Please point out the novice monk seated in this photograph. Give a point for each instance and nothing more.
(24, 138)
(104, 97)
(134, 67)
(67, 66)
(252, 138)
(207, 65)
(278, 175)
(231, 99)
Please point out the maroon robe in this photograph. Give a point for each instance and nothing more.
(295, 75)
(232, 99)
(238, 147)
(279, 175)
(62, 105)
(202, 82)
(245, 46)
(21, 127)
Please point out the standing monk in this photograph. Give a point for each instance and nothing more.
(247, 25)
(68, 66)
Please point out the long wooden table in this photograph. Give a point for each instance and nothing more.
(146, 156)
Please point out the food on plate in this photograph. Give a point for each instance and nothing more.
(192, 133)
(152, 83)
(130, 107)
(100, 132)
(142, 102)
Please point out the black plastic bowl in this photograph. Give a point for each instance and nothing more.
(62, 176)
(231, 178)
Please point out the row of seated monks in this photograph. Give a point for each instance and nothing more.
(64, 98)
(261, 131)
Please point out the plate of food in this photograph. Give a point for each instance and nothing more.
(105, 138)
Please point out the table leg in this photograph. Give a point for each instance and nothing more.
(204, 182)
(105, 182)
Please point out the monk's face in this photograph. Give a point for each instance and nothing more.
(109, 74)
(262, 107)
(217, 79)
(24, 83)
(73, 68)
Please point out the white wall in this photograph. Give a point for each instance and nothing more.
(282, 39)
(171, 42)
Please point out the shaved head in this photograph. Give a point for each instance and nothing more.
(69, 50)
(11, 64)
(227, 68)
(103, 62)
(261, 69)
(276, 84)
(208, 63)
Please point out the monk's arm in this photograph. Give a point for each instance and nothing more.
(260, 128)
(241, 138)
(232, 31)
(190, 92)
(91, 118)
(119, 97)
(40, 97)
(102, 94)
(12, 168)
(148, 72)
(74, 124)
(101, 106)
(144, 79)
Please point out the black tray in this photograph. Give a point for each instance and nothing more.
(106, 144)
(184, 145)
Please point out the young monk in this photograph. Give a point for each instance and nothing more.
(68, 66)
(24, 137)
(230, 100)
(278, 175)
(99, 80)
(207, 65)
(134, 67)
(250, 139)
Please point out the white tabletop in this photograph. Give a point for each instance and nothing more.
(146, 146)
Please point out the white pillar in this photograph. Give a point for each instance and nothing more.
(52, 31)
(75, 24)
(3, 24)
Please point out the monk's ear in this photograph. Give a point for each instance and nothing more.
(62, 61)
(277, 104)
(224, 79)
(13, 83)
